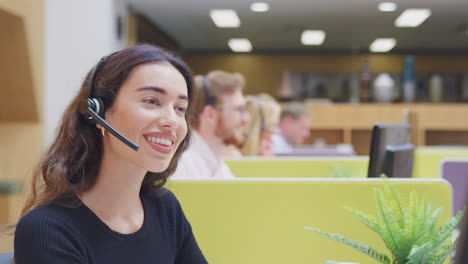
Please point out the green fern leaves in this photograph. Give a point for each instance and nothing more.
(409, 232)
(372, 252)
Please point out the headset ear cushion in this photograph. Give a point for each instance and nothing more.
(100, 108)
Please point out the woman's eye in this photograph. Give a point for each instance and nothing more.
(151, 100)
(181, 109)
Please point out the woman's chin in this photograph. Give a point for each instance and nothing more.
(158, 169)
(156, 165)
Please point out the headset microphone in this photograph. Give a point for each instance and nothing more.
(93, 108)
(112, 130)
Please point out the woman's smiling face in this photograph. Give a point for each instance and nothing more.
(149, 110)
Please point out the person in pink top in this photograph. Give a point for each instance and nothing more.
(219, 122)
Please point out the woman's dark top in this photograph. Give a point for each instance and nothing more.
(57, 234)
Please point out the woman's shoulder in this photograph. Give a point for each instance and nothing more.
(165, 197)
(172, 213)
(49, 232)
(45, 212)
(167, 203)
(47, 222)
(49, 215)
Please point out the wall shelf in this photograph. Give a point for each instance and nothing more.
(432, 124)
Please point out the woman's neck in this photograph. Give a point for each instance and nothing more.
(115, 197)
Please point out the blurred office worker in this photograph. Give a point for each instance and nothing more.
(265, 113)
(294, 127)
(219, 122)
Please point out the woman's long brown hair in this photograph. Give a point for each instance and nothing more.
(69, 166)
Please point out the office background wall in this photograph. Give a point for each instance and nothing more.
(263, 72)
(78, 33)
(22, 77)
(21, 93)
(47, 47)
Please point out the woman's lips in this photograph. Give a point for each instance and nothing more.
(160, 147)
(160, 141)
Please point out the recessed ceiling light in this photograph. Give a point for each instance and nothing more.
(387, 6)
(312, 37)
(225, 18)
(382, 45)
(412, 17)
(240, 45)
(259, 7)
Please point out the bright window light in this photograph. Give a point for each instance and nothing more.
(387, 6)
(382, 45)
(412, 17)
(240, 45)
(313, 37)
(260, 7)
(225, 18)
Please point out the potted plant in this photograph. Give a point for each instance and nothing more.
(409, 232)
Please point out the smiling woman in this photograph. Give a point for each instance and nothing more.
(94, 199)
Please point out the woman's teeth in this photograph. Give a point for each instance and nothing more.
(163, 141)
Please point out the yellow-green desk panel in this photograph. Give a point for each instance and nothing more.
(300, 167)
(427, 163)
(262, 220)
(427, 160)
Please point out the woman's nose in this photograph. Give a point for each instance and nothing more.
(168, 118)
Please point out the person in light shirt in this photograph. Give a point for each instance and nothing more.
(220, 121)
(294, 127)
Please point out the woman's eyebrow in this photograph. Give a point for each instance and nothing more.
(152, 88)
(159, 90)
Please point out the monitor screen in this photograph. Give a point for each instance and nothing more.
(398, 161)
(391, 151)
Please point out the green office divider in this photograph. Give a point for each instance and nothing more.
(262, 221)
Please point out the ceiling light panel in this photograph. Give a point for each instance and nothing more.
(382, 44)
(240, 45)
(387, 6)
(260, 7)
(312, 37)
(412, 17)
(225, 18)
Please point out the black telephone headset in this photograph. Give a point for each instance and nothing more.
(209, 99)
(93, 108)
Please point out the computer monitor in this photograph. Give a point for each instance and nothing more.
(391, 151)
(398, 161)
